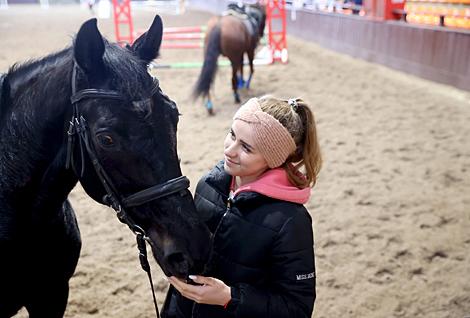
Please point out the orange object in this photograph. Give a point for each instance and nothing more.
(463, 22)
(442, 10)
(465, 12)
(412, 17)
(420, 15)
(432, 18)
(450, 20)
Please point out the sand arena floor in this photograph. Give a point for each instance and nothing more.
(391, 209)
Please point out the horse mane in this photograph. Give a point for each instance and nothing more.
(26, 77)
(30, 76)
(123, 64)
(28, 69)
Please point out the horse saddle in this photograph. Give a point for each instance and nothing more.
(250, 16)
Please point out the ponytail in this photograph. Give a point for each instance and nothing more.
(302, 166)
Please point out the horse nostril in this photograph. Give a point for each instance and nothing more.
(175, 258)
(178, 264)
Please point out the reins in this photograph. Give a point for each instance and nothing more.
(78, 128)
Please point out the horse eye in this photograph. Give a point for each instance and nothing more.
(106, 140)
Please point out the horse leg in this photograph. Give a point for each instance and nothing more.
(48, 290)
(210, 110)
(50, 300)
(235, 82)
(251, 56)
(10, 302)
(240, 78)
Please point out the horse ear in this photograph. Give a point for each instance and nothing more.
(89, 47)
(148, 44)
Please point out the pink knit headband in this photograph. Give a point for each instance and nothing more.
(272, 139)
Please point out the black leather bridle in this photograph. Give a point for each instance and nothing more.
(78, 129)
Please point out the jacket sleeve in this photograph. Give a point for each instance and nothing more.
(291, 292)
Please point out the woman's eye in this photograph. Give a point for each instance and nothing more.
(106, 140)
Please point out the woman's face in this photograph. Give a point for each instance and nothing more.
(242, 159)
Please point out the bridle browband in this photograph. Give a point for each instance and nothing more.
(78, 128)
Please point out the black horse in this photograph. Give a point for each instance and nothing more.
(90, 113)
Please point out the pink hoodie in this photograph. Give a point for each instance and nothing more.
(274, 184)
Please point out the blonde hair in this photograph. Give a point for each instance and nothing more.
(297, 117)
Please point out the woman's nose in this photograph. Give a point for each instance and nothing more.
(229, 150)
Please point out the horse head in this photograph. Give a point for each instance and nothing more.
(125, 154)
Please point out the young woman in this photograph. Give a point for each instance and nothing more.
(252, 201)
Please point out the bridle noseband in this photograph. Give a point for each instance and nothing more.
(78, 128)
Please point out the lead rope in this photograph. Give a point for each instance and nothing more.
(146, 266)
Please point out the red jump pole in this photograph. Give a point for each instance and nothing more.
(178, 30)
(181, 45)
(185, 29)
(184, 36)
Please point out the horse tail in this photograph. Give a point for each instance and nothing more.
(213, 50)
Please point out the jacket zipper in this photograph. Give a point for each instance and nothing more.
(229, 203)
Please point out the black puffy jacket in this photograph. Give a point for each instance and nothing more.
(263, 249)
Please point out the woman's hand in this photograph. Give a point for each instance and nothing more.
(212, 292)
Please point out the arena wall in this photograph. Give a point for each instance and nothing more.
(431, 52)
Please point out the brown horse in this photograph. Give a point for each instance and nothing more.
(231, 36)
